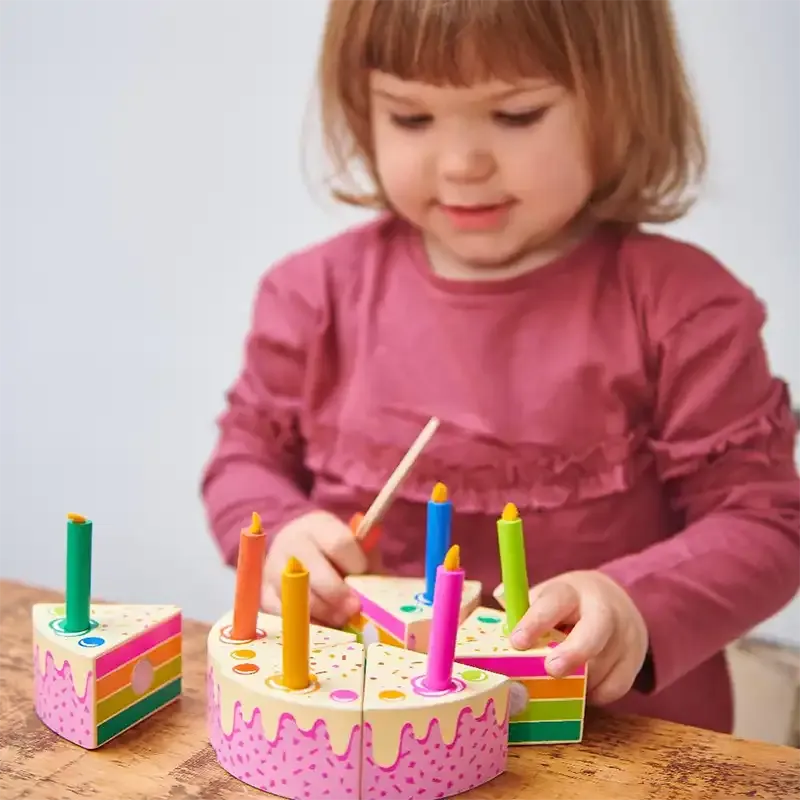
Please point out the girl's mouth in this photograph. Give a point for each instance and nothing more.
(477, 217)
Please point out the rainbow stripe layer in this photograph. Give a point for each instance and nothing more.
(543, 709)
(138, 678)
(92, 686)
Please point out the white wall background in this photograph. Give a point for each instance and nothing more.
(151, 170)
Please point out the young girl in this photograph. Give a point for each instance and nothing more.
(610, 382)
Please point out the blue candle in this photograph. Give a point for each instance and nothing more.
(437, 541)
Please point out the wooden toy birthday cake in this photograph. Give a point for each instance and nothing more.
(99, 669)
(413, 700)
(298, 711)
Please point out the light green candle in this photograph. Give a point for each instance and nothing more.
(79, 573)
(511, 539)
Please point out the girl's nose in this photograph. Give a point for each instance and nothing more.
(466, 163)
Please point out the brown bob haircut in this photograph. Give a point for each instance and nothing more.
(620, 58)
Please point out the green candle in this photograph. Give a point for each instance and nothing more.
(512, 564)
(79, 573)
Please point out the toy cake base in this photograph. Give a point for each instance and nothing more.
(364, 728)
(91, 686)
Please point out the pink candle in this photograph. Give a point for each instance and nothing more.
(444, 625)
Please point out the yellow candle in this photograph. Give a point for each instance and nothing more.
(296, 622)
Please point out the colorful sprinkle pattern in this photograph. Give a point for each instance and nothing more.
(59, 706)
(302, 764)
(296, 764)
(428, 768)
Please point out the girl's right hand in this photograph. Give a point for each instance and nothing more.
(328, 550)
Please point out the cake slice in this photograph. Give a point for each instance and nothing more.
(392, 611)
(543, 709)
(429, 745)
(91, 686)
(297, 744)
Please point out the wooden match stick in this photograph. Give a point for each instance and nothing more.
(386, 494)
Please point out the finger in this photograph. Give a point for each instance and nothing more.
(499, 594)
(550, 604)
(587, 639)
(614, 684)
(324, 580)
(323, 613)
(598, 670)
(270, 600)
(336, 540)
(329, 585)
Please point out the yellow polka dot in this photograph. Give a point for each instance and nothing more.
(391, 694)
(243, 655)
(59, 611)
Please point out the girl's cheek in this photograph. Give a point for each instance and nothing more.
(405, 185)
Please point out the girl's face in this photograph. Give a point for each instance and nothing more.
(492, 173)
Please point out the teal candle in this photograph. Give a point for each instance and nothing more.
(79, 573)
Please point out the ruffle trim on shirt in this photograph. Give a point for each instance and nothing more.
(482, 478)
(763, 437)
(533, 477)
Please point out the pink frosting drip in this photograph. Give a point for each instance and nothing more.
(296, 764)
(57, 703)
(301, 764)
(428, 769)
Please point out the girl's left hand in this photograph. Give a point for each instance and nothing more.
(609, 632)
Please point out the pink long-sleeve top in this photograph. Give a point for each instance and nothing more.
(620, 396)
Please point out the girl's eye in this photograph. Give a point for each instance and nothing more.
(522, 119)
(411, 121)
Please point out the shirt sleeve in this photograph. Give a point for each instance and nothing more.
(257, 463)
(723, 441)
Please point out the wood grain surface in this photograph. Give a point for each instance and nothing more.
(167, 757)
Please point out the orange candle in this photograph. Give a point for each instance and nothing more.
(296, 624)
(372, 536)
(249, 572)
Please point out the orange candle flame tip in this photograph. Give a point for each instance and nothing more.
(439, 493)
(452, 561)
(76, 517)
(510, 513)
(255, 525)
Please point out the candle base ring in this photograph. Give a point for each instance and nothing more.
(58, 624)
(420, 687)
(423, 601)
(226, 637)
(276, 682)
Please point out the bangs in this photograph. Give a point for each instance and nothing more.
(619, 58)
(459, 42)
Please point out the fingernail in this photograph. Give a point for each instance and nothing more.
(555, 665)
(520, 638)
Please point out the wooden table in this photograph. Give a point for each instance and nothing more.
(167, 757)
